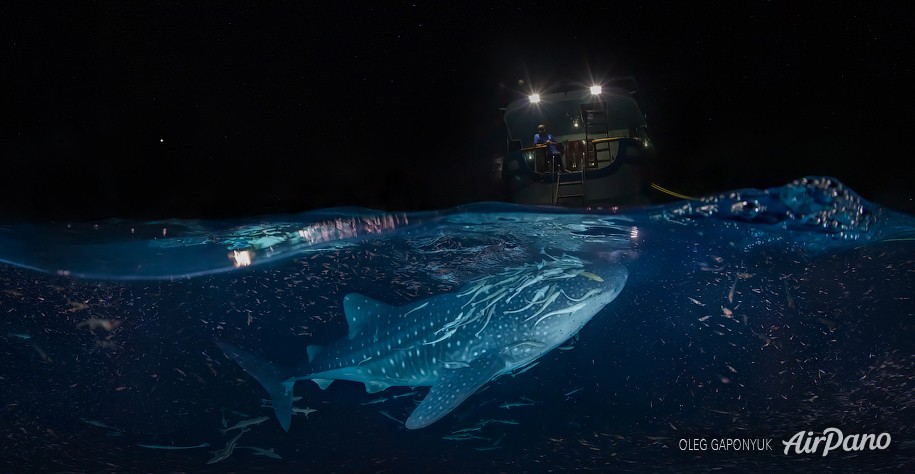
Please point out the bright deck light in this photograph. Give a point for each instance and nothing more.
(534, 98)
(595, 90)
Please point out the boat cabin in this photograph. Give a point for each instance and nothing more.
(599, 130)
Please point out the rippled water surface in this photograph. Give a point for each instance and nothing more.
(755, 314)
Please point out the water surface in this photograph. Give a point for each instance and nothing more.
(752, 314)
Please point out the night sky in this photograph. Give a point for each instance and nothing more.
(227, 109)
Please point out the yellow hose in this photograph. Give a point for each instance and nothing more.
(672, 193)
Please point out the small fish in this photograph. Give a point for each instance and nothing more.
(463, 437)
(788, 297)
(267, 403)
(375, 401)
(504, 422)
(99, 323)
(389, 416)
(516, 404)
(246, 423)
(467, 430)
(106, 345)
(227, 450)
(591, 276)
(573, 392)
(77, 306)
(305, 411)
(98, 424)
(20, 335)
(494, 445)
(731, 293)
(167, 447)
(524, 369)
(41, 353)
(405, 394)
(270, 453)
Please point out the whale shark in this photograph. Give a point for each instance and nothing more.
(454, 342)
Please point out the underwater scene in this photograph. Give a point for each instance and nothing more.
(763, 329)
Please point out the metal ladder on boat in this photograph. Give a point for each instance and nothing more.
(572, 193)
(597, 150)
(594, 116)
(595, 123)
(596, 128)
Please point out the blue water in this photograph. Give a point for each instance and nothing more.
(753, 314)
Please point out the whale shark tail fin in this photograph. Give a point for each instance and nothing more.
(273, 378)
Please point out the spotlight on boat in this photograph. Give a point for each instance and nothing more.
(535, 98)
(595, 90)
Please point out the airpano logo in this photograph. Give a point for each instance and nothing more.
(832, 439)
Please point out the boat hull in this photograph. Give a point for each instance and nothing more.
(618, 183)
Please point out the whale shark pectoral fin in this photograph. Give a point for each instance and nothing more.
(452, 388)
(274, 380)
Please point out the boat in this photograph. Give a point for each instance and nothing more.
(604, 144)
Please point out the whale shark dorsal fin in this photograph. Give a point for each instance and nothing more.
(453, 387)
(313, 352)
(363, 313)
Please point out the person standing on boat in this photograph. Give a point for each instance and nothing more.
(542, 137)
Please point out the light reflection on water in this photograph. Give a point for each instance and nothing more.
(753, 314)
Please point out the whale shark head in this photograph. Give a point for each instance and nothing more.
(565, 296)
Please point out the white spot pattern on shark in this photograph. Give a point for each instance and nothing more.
(504, 322)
